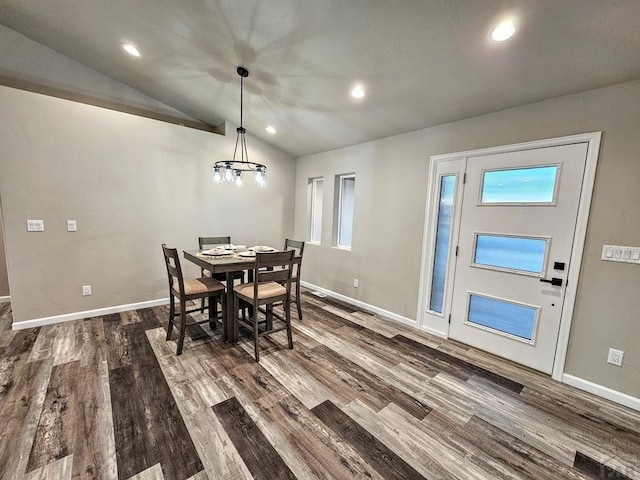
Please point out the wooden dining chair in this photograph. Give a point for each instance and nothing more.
(298, 247)
(208, 242)
(271, 284)
(185, 290)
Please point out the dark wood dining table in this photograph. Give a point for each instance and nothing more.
(228, 264)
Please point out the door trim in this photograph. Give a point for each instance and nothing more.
(439, 324)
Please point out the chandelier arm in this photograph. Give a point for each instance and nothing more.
(236, 147)
(239, 165)
(244, 146)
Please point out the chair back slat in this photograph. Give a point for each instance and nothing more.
(173, 271)
(274, 275)
(211, 241)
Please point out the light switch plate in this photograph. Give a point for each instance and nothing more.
(72, 226)
(35, 225)
(617, 253)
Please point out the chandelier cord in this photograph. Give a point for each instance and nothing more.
(241, 98)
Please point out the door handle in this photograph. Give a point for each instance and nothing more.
(556, 282)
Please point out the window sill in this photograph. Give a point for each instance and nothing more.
(317, 244)
(345, 249)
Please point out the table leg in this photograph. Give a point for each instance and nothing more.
(228, 332)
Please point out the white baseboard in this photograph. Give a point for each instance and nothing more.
(39, 322)
(5, 299)
(352, 301)
(604, 392)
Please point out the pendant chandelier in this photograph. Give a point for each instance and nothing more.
(226, 171)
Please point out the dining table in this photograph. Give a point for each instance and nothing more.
(229, 265)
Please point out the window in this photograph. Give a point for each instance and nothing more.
(443, 237)
(315, 230)
(519, 185)
(346, 189)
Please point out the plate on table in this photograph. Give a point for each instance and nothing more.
(217, 252)
(247, 253)
(262, 249)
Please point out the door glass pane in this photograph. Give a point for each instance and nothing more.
(519, 185)
(443, 234)
(510, 253)
(506, 317)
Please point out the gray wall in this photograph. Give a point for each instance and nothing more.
(4, 279)
(131, 183)
(391, 188)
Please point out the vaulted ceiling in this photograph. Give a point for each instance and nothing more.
(422, 62)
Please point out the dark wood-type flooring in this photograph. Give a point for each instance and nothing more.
(358, 397)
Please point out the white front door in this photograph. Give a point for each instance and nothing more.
(517, 228)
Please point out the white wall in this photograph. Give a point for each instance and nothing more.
(391, 189)
(131, 183)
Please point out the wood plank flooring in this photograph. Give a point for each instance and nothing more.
(358, 397)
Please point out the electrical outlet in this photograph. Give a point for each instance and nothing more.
(72, 226)
(615, 357)
(86, 290)
(356, 282)
(35, 225)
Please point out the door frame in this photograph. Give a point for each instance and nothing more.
(438, 324)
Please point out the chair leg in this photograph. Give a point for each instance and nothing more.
(183, 325)
(223, 310)
(172, 313)
(255, 332)
(213, 313)
(298, 300)
(202, 299)
(236, 328)
(287, 316)
(269, 317)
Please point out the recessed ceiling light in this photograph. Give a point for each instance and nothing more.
(131, 49)
(358, 92)
(503, 31)
(271, 129)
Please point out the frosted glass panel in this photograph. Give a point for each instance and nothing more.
(443, 234)
(347, 188)
(316, 209)
(513, 253)
(521, 185)
(510, 318)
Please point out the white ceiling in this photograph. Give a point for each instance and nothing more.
(423, 62)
